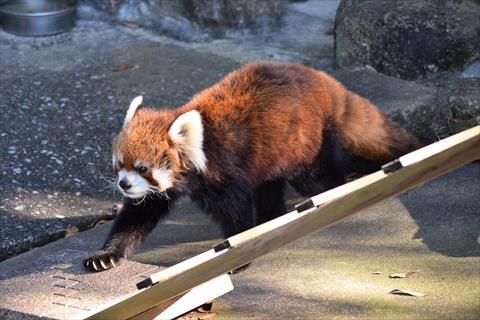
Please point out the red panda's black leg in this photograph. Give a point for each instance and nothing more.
(132, 224)
(269, 200)
(230, 203)
(326, 172)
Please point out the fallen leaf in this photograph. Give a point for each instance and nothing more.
(402, 274)
(369, 67)
(100, 222)
(406, 292)
(198, 316)
(130, 24)
(207, 315)
(122, 67)
(71, 230)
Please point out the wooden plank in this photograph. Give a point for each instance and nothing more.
(406, 160)
(439, 146)
(194, 298)
(263, 239)
(198, 296)
(155, 311)
(182, 266)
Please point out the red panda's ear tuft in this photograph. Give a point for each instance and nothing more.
(134, 105)
(187, 132)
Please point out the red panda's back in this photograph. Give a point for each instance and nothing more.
(273, 113)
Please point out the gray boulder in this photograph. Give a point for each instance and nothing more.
(193, 19)
(407, 39)
(430, 113)
(462, 99)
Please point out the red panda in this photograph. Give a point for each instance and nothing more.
(235, 145)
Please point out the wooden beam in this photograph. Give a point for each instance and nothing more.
(344, 201)
(194, 298)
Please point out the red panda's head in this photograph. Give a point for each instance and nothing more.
(154, 149)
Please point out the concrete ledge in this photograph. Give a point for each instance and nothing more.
(50, 282)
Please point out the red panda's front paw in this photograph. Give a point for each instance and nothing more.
(102, 260)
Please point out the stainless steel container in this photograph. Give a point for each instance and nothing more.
(37, 17)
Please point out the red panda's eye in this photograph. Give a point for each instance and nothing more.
(142, 170)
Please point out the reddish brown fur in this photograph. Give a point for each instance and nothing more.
(267, 119)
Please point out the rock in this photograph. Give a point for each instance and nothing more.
(109, 6)
(193, 19)
(462, 99)
(237, 13)
(472, 70)
(428, 112)
(407, 39)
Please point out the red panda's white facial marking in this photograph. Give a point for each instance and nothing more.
(163, 177)
(117, 160)
(132, 184)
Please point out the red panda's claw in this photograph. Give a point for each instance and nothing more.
(103, 264)
(101, 260)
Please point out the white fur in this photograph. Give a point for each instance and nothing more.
(137, 163)
(163, 177)
(139, 185)
(134, 105)
(116, 157)
(114, 160)
(187, 132)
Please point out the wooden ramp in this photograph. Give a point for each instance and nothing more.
(416, 168)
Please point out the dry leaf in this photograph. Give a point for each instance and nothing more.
(207, 315)
(71, 230)
(369, 67)
(123, 67)
(402, 274)
(100, 222)
(198, 316)
(130, 24)
(406, 293)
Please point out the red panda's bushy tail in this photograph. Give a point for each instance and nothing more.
(369, 134)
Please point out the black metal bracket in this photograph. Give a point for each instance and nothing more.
(222, 246)
(144, 284)
(392, 166)
(305, 205)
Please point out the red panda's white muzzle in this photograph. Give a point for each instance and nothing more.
(132, 185)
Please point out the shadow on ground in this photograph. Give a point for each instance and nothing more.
(447, 212)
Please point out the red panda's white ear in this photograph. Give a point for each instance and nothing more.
(134, 105)
(187, 132)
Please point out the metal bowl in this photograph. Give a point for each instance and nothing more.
(37, 17)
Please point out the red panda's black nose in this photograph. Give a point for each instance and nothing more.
(124, 184)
